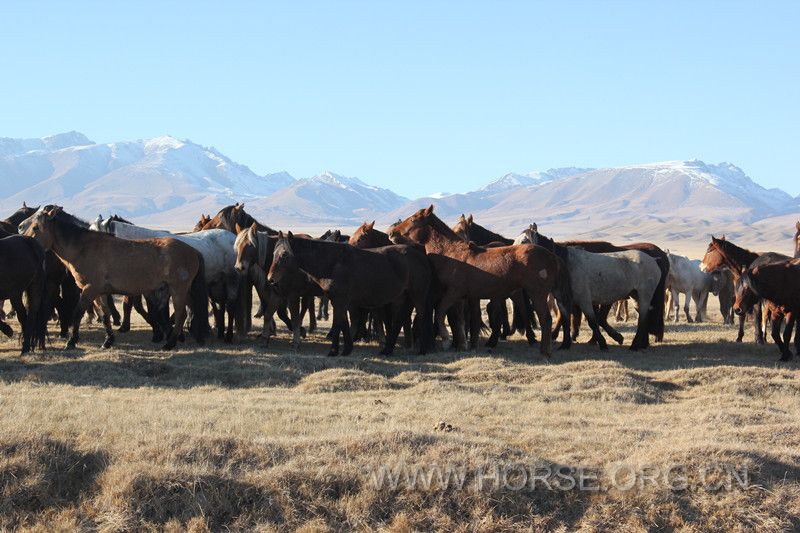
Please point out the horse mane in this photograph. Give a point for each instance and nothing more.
(482, 235)
(549, 244)
(117, 218)
(438, 224)
(740, 255)
(71, 227)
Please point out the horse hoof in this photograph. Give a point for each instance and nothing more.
(70, 345)
(123, 329)
(108, 343)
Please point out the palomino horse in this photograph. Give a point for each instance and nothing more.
(467, 270)
(720, 254)
(22, 272)
(391, 277)
(603, 279)
(779, 283)
(685, 277)
(254, 253)
(219, 256)
(102, 264)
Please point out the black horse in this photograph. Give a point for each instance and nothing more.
(22, 271)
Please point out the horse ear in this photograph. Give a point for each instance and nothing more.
(723, 237)
(534, 227)
(53, 211)
(463, 217)
(469, 219)
(280, 235)
(798, 225)
(371, 225)
(24, 206)
(428, 210)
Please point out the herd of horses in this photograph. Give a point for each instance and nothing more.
(421, 277)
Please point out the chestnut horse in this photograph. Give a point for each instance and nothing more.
(103, 264)
(523, 322)
(467, 270)
(779, 283)
(391, 277)
(720, 254)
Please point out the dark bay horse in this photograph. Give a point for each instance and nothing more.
(723, 254)
(234, 215)
(779, 283)
(11, 224)
(467, 270)
(22, 272)
(254, 254)
(103, 264)
(391, 277)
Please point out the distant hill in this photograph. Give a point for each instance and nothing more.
(167, 182)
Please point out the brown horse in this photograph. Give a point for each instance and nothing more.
(204, 219)
(231, 216)
(391, 277)
(523, 321)
(467, 270)
(103, 264)
(254, 253)
(777, 282)
(723, 254)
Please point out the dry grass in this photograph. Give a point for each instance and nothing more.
(239, 437)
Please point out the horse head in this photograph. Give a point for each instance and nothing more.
(284, 262)
(416, 228)
(746, 294)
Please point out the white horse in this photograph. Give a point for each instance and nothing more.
(216, 247)
(685, 277)
(602, 279)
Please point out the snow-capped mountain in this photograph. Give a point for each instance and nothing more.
(132, 178)
(168, 182)
(327, 197)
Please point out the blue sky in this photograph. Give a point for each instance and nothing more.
(416, 96)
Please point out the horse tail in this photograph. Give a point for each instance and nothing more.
(655, 317)
(563, 297)
(198, 302)
(38, 307)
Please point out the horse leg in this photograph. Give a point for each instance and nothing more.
(308, 306)
(294, 311)
(757, 325)
(445, 303)
(476, 320)
(25, 324)
(575, 326)
(740, 334)
(156, 315)
(545, 320)
(641, 340)
(506, 327)
(179, 298)
(108, 342)
(495, 323)
(777, 321)
(125, 324)
(85, 301)
(340, 325)
(566, 341)
(112, 308)
(601, 315)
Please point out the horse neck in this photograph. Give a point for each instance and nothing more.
(441, 238)
(379, 238)
(485, 236)
(737, 256)
(71, 249)
(263, 249)
(316, 258)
